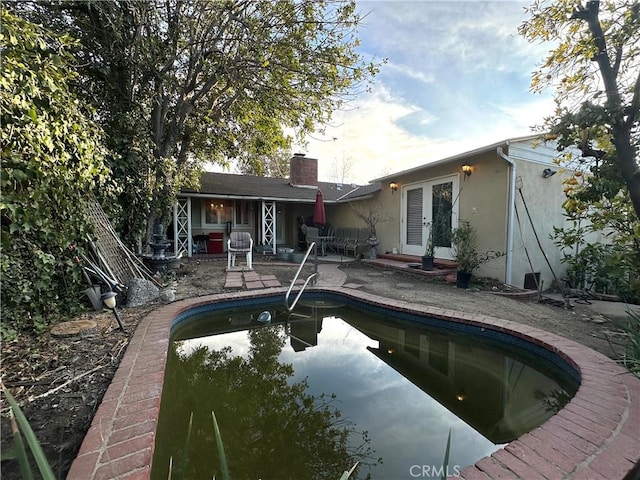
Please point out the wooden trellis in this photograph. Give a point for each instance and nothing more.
(110, 253)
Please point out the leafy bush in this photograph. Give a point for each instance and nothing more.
(464, 240)
(52, 160)
(631, 358)
(606, 269)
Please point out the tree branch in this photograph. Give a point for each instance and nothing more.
(634, 108)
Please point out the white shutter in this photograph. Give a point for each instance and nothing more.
(414, 216)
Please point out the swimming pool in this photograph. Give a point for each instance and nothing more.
(339, 382)
(596, 435)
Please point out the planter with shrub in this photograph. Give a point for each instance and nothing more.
(464, 242)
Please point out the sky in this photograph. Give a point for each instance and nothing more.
(457, 78)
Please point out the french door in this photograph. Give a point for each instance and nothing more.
(429, 205)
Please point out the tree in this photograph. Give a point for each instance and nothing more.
(341, 170)
(53, 159)
(275, 165)
(594, 68)
(180, 83)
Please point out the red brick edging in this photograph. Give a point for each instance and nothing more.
(596, 436)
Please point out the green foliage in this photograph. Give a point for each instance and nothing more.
(631, 327)
(20, 425)
(275, 165)
(600, 268)
(179, 84)
(593, 67)
(222, 458)
(613, 265)
(52, 159)
(430, 248)
(464, 240)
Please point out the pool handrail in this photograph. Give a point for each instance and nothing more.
(295, 279)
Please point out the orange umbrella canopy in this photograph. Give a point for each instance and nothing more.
(319, 216)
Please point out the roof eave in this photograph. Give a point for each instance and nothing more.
(251, 197)
(459, 156)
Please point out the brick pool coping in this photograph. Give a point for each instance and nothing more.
(595, 436)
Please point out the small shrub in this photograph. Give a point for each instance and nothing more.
(606, 269)
(631, 358)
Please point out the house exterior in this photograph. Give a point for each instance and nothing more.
(508, 194)
(512, 195)
(268, 208)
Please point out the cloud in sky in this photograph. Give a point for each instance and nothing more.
(457, 78)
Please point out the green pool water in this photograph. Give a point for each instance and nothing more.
(306, 396)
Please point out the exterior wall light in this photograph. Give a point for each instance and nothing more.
(467, 169)
(547, 172)
(393, 186)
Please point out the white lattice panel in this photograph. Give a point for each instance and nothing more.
(182, 225)
(269, 226)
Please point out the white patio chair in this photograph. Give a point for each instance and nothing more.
(239, 243)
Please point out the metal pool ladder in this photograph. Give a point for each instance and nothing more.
(295, 279)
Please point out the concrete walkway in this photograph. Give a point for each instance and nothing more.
(250, 280)
(329, 275)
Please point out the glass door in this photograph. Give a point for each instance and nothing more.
(426, 205)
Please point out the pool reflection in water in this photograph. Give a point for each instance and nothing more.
(307, 396)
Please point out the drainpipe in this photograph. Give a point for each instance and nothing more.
(510, 214)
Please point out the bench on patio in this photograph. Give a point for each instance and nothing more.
(348, 240)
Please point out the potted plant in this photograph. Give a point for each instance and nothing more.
(429, 252)
(463, 239)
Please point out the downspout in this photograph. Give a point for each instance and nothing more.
(510, 214)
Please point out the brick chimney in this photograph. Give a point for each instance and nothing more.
(303, 171)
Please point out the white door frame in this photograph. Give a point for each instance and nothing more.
(414, 243)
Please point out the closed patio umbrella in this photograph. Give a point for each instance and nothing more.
(319, 216)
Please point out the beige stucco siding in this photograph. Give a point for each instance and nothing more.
(543, 197)
(483, 202)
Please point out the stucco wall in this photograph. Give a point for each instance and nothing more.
(483, 203)
(543, 198)
(344, 215)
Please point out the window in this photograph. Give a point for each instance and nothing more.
(441, 208)
(219, 212)
(242, 212)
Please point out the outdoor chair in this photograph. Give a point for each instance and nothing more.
(239, 243)
(350, 241)
(335, 244)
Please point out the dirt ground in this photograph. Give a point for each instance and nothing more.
(60, 381)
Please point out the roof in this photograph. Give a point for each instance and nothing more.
(459, 156)
(266, 188)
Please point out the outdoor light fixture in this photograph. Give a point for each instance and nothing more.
(109, 300)
(547, 172)
(467, 169)
(393, 186)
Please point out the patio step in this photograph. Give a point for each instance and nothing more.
(398, 261)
